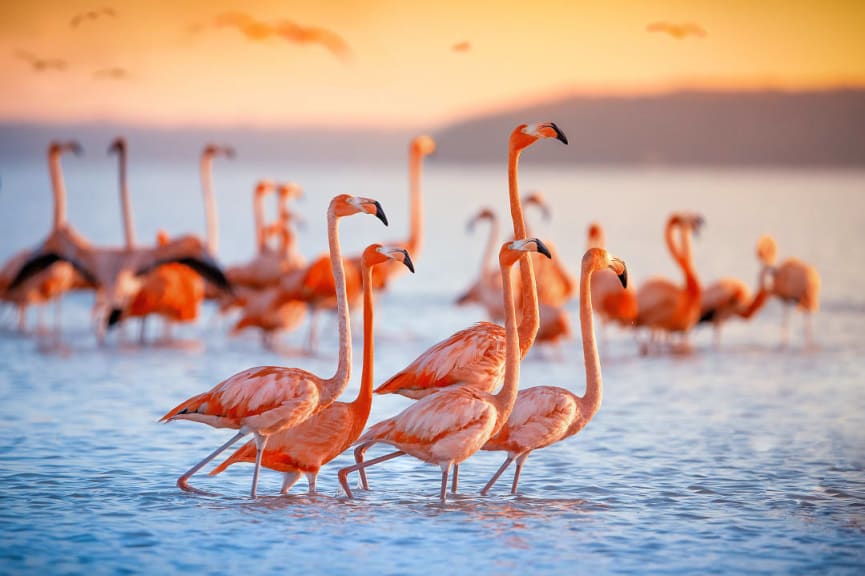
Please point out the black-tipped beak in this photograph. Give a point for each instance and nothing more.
(407, 261)
(542, 248)
(559, 134)
(379, 212)
(75, 147)
(114, 317)
(623, 278)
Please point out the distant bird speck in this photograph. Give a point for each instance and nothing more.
(677, 31)
(114, 73)
(96, 14)
(462, 46)
(41, 64)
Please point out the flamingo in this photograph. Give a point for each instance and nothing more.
(476, 356)
(268, 399)
(419, 148)
(52, 282)
(307, 447)
(729, 297)
(664, 306)
(544, 415)
(554, 323)
(795, 283)
(448, 427)
(612, 302)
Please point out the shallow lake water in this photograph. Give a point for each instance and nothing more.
(748, 458)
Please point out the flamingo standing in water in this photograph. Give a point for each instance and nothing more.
(54, 281)
(795, 283)
(544, 415)
(307, 447)
(476, 356)
(447, 427)
(266, 400)
(612, 302)
(664, 306)
(730, 297)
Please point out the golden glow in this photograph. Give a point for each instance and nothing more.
(178, 68)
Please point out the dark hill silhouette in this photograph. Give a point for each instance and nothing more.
(681, 128)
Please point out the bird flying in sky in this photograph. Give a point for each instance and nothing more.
(41, 64)
(677, 30)
(96, 14)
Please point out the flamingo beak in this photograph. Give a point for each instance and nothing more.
(407, 261)
(379, 212)
(542, 249)
(559, 134)
(623, 275)
(114, 317)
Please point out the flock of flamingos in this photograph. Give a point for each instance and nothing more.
(297, 424)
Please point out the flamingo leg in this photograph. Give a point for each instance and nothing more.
(456, 479)
(57, 310)
(446, 467)
(498, 473)
(809, 330)
(183, 481)
(311, 477)
(312, 341)
(358, 458)
(260, 442)
(142, 333)
(521, 459)
(785, 326)
(344, 472)
(288, 480)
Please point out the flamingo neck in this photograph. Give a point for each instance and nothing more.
(415, 239)
(504, 400)
(363, 402)
(487, 264)
(343, 370)
(258, 213)
(59, 189)
(125, 200)
(692, 285)
(760, 297)
(590, 402)
(529, 319)
(209, 202)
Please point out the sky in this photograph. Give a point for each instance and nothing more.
(393, 64)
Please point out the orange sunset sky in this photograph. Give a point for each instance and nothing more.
(401, 68)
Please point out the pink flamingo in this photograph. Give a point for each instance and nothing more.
(795, 283)
(664, 306)
(269, 399)
(448, 427)
(544, 415)
(307, 447)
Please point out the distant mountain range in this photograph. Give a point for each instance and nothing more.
(761, 128)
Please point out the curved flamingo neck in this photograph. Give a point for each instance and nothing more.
(363, 402)
(258, 213)
(529, 318)
(125, 200)
(590, 402)
(415, 239)
(692, 285)
(58, 187)
(209, 202)
(760, 297)
(504, 400)
(343, 370)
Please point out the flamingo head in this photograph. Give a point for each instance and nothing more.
(346, 205)
(538, 199)
(598, 259)
(377, 254)
(423, 145)
(118, 146)
(692, 222)
(162, 237)
(56, 147)
(263, 187)
(289, 190)
(511, 251)
(767, 250)
(525, 135)
(484, 214)
(596, 236)
(212, 150)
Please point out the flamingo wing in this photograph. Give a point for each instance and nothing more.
(541, 416)
(265, 399)
(474, 357)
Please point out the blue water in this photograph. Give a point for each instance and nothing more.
(745, 459)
